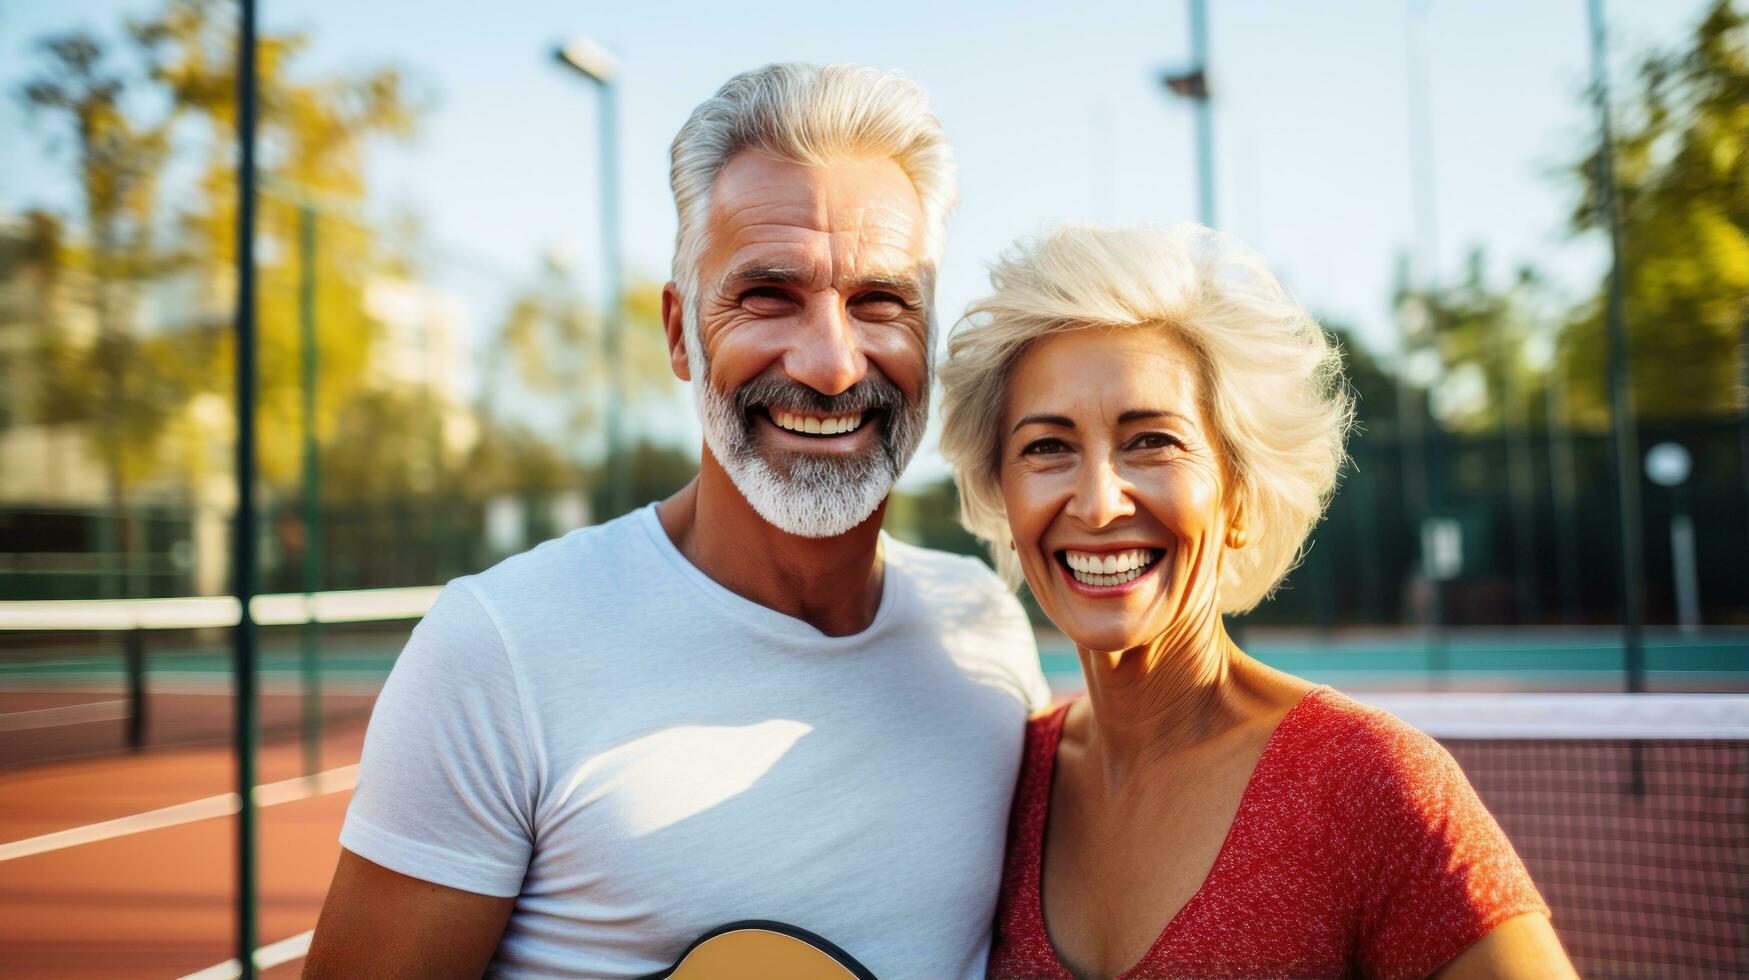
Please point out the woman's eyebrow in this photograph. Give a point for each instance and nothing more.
(1133, 415)
(1060, 421)
(1145, 414)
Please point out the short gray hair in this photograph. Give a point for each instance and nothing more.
(807, 114)
(1272, 379)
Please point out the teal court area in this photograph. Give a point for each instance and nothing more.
(1531, 659)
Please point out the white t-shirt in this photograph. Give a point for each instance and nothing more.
(640, 756)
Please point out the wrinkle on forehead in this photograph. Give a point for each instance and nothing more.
(1146, 369)
(850, 219)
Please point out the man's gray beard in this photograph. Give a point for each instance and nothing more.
(807, 495)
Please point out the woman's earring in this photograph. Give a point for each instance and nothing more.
(1011, 546)
(1236, 537)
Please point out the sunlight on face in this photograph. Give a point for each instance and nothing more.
(1114, 486)
(813, 325)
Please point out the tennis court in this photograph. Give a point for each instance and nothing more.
(116, 859)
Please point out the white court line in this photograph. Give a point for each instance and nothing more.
(69, 714)
(267, 956)
(267, 794)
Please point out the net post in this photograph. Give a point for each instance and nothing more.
(135, 659)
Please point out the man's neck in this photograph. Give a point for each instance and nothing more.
(832, 584)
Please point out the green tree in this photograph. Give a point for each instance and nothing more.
(1477, 331)
(1681, 159)
(1373, 385)
(551, 344)
(117, 160)
(313, 133)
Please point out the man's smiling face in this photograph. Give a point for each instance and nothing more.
(812, 314)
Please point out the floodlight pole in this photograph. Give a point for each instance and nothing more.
(243, 533)
(598, 66)
(1621, 396)
(1193, 83)
(1205, 133)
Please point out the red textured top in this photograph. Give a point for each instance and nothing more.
(1359, 849)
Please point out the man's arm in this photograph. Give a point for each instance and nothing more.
(381, 923)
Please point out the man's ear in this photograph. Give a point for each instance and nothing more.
(674, 325)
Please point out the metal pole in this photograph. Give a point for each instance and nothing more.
(1743, 418)
(311, 631)
(1563, 483)
(1205, 135)
(1421, 159)
(1621, 400)
(1413, 405)
(1686, 576)
(243, 534)
(619, 491)
(1514, 432)
(136, 672)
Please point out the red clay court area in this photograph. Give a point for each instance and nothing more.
(120, 864)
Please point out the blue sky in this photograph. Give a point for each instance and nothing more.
(1055, 114)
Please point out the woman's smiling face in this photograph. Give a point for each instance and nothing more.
(1114, 486)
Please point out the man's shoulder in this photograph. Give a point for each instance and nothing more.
(935, 571)
(966, 607)
(575, 564)
(957, 589)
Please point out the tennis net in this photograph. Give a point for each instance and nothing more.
(80, 678)
(1631, 812)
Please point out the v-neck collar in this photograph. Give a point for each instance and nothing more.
(1035, 849)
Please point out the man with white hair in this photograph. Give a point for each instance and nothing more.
(744, 702)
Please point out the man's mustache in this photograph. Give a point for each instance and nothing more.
(872, 394)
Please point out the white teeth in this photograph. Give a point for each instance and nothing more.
(813, 425)
(1109, 569)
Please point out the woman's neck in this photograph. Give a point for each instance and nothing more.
(1151, 701)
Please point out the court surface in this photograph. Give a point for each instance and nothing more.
(117, 864)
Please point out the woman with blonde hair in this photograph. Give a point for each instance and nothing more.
(1146, 427)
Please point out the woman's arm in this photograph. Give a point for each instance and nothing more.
(1522, 946)
(381, 923)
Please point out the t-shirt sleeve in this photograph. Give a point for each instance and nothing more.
(1441, 872)
(445, 791)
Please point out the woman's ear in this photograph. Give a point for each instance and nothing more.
(1237, 534)
(674, 325)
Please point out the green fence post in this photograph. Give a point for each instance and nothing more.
(311, 631)
(243, 534)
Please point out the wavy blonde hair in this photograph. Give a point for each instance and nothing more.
(1273, 386)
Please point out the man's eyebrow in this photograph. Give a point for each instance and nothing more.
(906, 286)
(765, 272)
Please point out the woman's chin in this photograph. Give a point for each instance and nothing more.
(1106, 640)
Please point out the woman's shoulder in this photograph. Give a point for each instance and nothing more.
(1044, 728)
(1359, 743)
